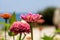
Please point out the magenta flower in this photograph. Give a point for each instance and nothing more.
(24, 27)
(20, 27)
(27, 17)
(14, 27)
(32, 18)
(40, 21)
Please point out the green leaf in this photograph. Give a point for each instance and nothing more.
(47, 37)
(13, 18)
(10, 33)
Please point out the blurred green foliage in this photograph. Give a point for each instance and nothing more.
(5, 26)
(10, 33)
(47, 37)
(2, 38)
(57, 31)
(13, 18)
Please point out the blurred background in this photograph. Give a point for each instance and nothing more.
(49, 9)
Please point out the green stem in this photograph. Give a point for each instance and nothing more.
(53, 36)
(5, 33)
(24, 37)
(13, 37)
(31, 30)
(5, 29)
(20, 36)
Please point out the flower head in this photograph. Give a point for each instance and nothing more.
(14, 27)
(27, 17)
(32, 18)
(6, 15)
(20, 27)
(24, 27)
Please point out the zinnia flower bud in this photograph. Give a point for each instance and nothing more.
(6, 15)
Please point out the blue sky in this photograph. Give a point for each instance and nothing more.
(26, 5)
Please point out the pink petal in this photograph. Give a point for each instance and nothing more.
(40, 21)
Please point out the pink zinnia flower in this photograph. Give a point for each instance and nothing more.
(14, 27)
(24, 27)
(40, 21)
(27, 17)
(32, 18)
(20, 27)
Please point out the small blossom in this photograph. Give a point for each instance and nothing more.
(6, 16)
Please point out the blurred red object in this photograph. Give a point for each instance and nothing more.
(40, 28)
(40, 21)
